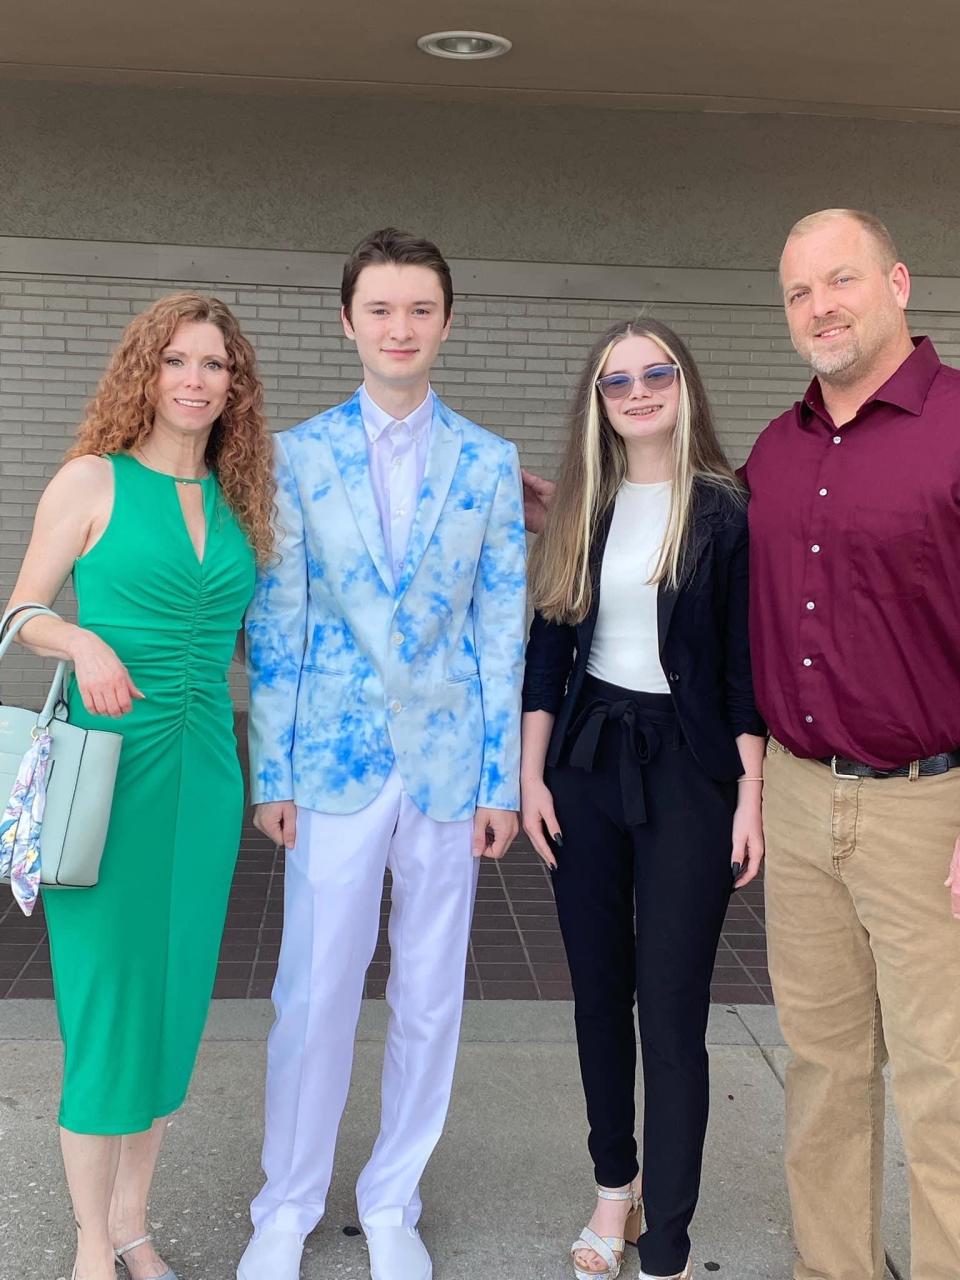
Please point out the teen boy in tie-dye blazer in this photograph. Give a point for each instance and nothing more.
(385, 654)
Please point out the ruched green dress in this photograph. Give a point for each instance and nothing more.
(134, 958)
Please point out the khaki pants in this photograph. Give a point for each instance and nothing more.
(865, 961)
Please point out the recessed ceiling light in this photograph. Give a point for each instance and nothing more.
(464, 44)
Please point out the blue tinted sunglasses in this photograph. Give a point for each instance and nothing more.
(617, 386)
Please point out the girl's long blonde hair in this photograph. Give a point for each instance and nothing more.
(120, 415)
(595, 465)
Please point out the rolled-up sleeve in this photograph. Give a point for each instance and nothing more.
(550, 651)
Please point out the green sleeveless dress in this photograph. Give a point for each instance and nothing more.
(134, 958)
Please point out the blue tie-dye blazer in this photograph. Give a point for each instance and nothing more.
(350, 671)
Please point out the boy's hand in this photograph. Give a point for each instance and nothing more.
(494, 831)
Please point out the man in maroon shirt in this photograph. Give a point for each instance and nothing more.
(855, 635)
(855, 631)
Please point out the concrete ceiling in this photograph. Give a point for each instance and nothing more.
(873, 58)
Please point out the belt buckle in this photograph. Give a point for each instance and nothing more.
(851, 777)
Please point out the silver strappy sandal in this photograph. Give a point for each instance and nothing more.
(685, 1274)
(135, 1244)
(609, 1248)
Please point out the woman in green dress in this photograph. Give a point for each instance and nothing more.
(160, 513)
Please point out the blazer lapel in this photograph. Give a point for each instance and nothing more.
(349, 445)
(666, 603)
(586, 628)
(704, 503)
(443, 453)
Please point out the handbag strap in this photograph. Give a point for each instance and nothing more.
(14, 609)
(13, 620)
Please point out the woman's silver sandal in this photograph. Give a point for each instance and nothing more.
(609, 1248)
(135, 1244)
(685, 1274)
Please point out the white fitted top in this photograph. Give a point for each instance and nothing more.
(626, 648)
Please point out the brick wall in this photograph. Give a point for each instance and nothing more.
(508, 363)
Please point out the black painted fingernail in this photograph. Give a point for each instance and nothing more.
(735, 867)
(558, 839)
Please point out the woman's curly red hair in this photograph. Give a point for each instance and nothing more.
(120, 415)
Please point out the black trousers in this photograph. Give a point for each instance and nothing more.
(642, 885)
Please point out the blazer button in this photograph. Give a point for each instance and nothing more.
(674, 677)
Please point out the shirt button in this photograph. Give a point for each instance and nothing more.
(398, 638)
(396, 707)
(823, 493)
(837, 439)
(815, 548)
(811, 605)
(808, 662)
(809, 719)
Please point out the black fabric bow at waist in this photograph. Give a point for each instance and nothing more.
(640, 742)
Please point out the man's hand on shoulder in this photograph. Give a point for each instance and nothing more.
(494, 831)
(537, 496)
(278, 821)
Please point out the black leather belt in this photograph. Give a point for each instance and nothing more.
(844, 768)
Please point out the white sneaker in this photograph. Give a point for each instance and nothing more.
(272, 1255)
(397, 1253)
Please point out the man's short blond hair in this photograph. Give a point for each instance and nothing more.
(877, 231)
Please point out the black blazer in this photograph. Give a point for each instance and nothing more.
(704, 642)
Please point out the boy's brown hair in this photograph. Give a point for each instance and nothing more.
(401, 248)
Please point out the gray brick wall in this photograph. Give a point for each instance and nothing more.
(508, 363)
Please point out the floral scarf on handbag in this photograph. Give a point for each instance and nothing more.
(21, 823)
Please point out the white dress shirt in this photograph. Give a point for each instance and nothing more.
(397, 453)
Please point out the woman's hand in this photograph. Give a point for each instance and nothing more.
(748, 833)
(537, 813)
(104, 682)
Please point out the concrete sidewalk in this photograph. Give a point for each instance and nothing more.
(507, 1190)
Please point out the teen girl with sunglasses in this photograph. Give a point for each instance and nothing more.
(642, 758)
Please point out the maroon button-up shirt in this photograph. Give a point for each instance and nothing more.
(855, 570)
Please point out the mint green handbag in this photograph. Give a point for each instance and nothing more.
(60, 781)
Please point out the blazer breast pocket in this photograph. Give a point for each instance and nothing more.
(469, 517)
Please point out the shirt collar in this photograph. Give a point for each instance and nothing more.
(906, 389)
(376, 420)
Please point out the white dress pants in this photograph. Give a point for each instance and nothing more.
(332, 893)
